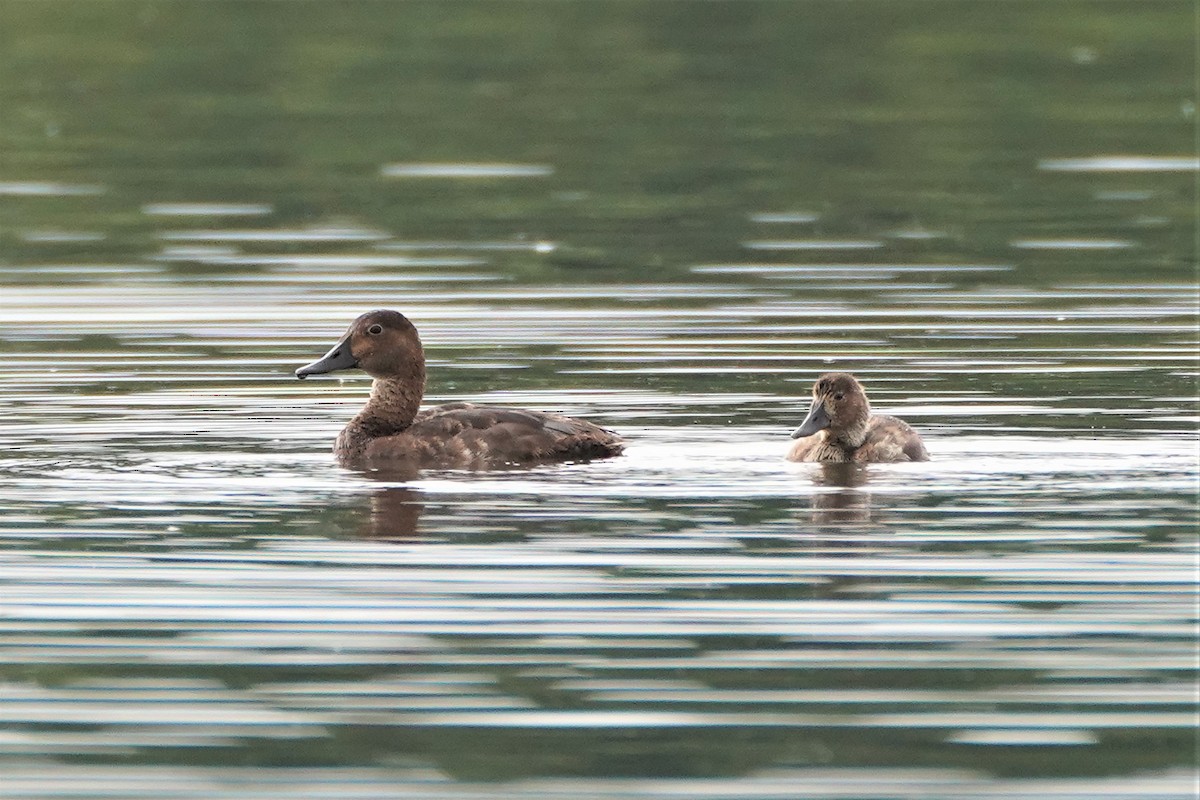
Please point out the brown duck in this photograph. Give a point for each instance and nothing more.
(841, 427)
(392, 430)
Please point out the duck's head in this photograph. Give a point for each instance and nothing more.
(839, 406)
(383, 344)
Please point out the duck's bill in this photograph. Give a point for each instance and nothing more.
(817, 420)
(339, 357)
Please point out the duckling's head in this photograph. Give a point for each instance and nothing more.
(839, 406)
(383, 344)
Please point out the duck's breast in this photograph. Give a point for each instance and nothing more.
(816, 448)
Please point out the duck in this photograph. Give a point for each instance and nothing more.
(841, 428)
(392, 430)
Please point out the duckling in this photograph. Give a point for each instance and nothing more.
(393, 430)
(841, 427)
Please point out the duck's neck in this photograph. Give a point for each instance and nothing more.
(393, 404)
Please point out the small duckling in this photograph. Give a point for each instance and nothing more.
(391, 429)
(841, 427)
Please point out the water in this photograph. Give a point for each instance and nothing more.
(195, 601)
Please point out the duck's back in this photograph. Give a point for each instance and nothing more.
(891, 439)
(467, 435)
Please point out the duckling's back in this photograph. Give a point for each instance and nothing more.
(891, 439)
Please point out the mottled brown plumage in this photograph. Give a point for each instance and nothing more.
(841, 427)
(391, 430)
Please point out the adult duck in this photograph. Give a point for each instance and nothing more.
(392, 430)
(841, 427)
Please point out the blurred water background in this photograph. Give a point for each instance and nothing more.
(669, 217)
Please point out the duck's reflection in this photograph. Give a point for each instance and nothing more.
(845, 503)
(395, 508)
(395, 511)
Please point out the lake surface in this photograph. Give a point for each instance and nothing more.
(668, 218)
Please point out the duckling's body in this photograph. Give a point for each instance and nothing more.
(392, 430)
(886, 439)
(840, 427)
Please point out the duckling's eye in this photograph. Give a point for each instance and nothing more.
(375, 329)
(838, 396)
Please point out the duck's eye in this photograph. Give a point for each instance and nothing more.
(375, 329)
(838, 396)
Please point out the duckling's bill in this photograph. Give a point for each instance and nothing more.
(817, 420)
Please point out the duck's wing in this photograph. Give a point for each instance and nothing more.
(891, 439)
(462, 416)
(914, 448)
(498, 435)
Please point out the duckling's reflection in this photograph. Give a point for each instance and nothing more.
(846, 504)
